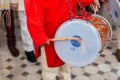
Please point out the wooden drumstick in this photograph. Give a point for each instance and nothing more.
(63, 39)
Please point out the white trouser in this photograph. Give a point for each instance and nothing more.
(118, 37)
(51, 73)
(26, 38)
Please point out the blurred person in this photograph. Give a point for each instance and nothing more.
(18, 5)
(8, 16)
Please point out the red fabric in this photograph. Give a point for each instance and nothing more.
(43, 18)
(83, 14)
(85, 2)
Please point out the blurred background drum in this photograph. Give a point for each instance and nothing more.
(115, 10)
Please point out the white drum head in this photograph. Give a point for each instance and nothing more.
(72, 52)
(115, 10)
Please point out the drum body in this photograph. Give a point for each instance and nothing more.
(103, 27)
(72, 52)
(80, 54)
(115, 10)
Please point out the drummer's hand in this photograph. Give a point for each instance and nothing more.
(95, 5)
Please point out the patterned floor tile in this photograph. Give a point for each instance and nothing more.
(81, 78)
(104, 67)
(33, 76)
(77, 71)
(91, 69)
(96, 77)
(110, 76)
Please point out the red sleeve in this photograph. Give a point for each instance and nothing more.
(34, 15)
(86, 2)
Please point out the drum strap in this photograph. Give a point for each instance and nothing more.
(81, 12)
(70, 9)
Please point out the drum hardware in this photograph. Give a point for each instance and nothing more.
(97, 23)
(104, 28)
(102, 25)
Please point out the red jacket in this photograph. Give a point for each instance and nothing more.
(43, 18)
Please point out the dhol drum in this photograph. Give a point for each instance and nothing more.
(103, 27)
(83, 51)
(115, 10)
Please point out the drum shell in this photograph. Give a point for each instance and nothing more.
(103, 27)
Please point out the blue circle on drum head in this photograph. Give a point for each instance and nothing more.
(75, 43)
(116, 14)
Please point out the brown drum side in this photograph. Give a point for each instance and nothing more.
(103, 28)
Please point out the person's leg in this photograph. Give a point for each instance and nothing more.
(9, 24)
(26, 38)
(47, 73)
(65, 72)
(118, 44)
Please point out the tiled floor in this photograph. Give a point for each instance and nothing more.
(105, 67)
